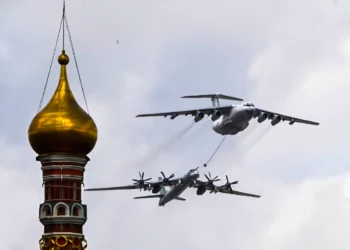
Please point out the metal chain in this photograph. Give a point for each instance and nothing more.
(76, 62)
(48, 75)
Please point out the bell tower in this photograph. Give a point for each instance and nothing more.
(62, 134)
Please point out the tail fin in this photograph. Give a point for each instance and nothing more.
(214, 98)
(163, 191)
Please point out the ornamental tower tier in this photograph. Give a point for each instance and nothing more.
(62, 134)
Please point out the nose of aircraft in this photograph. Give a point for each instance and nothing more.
(195, 174)
(250, 111)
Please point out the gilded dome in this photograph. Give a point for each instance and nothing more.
(62, 126)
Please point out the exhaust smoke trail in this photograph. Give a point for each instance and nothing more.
(164, 146)
(192, 137)
(256, 140)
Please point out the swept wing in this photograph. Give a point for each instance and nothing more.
(171, 182)
(291, 119)
(193, 112)
(113, 188)
(217, 189)
(227, 191)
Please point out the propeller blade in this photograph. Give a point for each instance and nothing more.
(207, 177)
(227, 179)
(148, 179)
(235, 182)
(163, 174)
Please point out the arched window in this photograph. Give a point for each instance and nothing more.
(46, 211)
(77, 210)
(61, 211)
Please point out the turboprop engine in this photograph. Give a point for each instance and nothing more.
(199, 116)
(156, 189)
(276, 120)
(201, 190)
(262, 117)
(216, 115)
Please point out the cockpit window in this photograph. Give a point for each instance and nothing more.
(249, 104)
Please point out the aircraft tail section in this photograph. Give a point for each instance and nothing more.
(161, 194)
(149, 196)
(215, 98)
(162, 191)
(179, 199)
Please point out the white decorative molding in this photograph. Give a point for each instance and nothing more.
(70, 167)
(83, 160)
(63, 176)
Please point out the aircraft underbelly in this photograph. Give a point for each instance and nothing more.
(173, 193)
(233, 124)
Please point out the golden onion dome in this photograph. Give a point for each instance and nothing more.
(62, 126)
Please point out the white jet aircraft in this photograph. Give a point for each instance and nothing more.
(231, 119)
(178, 186)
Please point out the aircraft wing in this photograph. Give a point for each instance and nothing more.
(114, 188)
(136, 186)
(193, 112)
(197, 183)
(227, 191)
(286, 118)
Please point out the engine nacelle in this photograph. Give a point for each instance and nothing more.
(276, 120)
(262, 117)
(199, 116)
(201, 190)
(156, 189)
(216, 115)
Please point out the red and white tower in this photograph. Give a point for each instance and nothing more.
(63, 134)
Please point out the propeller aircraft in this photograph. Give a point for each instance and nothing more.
(177, 187)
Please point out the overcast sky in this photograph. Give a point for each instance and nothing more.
(291, 57)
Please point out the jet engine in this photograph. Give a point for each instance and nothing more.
(262, 117)
(156, 189)
(216, 115)
(199, 116)
(276, 120)
(201, 190)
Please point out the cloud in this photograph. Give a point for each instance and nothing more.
(291, 58)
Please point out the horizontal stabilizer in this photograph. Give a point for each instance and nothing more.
(214, 96)
(179, 199)
(149, 196)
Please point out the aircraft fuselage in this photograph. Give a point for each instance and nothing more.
(179, 188)
(234, 122)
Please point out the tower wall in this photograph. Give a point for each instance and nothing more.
(62, 213)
